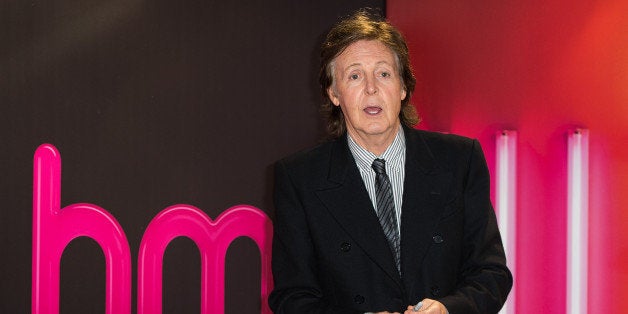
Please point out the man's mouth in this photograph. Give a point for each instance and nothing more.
(372, 110)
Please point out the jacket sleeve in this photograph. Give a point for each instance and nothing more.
(296, 287)
(484, 280)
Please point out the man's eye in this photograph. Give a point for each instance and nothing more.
(354, 76)
(385, 74)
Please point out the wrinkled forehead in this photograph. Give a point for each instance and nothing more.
(365, 53)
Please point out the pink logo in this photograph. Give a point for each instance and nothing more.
(54, 228)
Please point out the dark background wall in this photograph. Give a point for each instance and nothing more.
(153, 103)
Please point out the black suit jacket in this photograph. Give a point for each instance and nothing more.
(330, 254)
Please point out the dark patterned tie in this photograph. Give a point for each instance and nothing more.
(386, 208)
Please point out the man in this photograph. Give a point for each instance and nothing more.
(383, 217)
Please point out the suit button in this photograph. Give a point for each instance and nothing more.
(345, 247)
(438, 239)
(358, 299)
(435, 291)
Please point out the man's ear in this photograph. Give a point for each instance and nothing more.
(332, 96)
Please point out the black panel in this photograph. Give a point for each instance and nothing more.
(153, 103)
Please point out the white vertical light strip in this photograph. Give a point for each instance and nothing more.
(577, 226)
(506, 203)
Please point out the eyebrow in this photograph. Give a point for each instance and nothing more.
(359, 64)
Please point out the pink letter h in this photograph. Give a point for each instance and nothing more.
(54, 228)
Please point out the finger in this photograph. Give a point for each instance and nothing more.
(427, 304)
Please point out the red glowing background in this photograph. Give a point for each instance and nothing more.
(541, 68)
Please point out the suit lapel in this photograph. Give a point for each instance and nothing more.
(348, 202)
(424, 191)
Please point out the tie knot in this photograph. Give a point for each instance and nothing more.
(379, 165)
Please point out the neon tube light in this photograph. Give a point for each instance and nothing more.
(577, 226)
(506, 202)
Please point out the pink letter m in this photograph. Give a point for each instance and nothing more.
(212, 239)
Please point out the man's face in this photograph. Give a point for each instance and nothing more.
(368, 88)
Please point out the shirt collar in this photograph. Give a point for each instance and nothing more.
(394, 155)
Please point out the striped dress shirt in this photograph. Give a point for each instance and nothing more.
(395, 157)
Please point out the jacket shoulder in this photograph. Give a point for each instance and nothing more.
(448, 151)
(314, 165)
(437, 141)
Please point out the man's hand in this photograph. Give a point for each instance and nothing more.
(429, 307)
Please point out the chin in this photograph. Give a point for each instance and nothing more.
(379, 129)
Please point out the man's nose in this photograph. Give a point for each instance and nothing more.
(371, 85)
